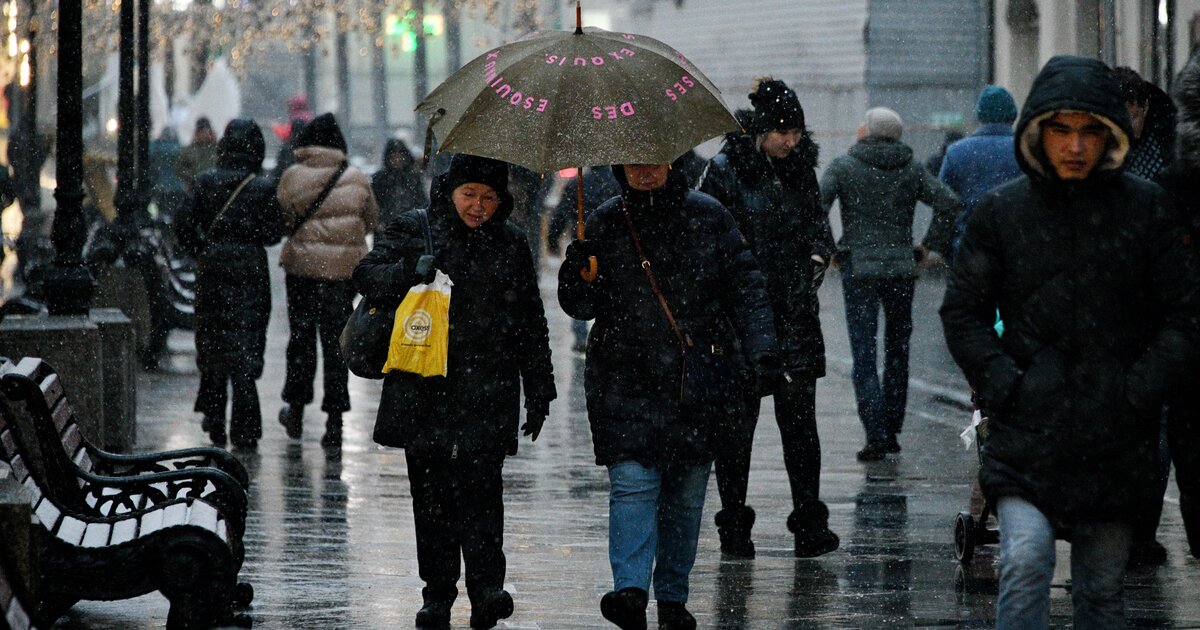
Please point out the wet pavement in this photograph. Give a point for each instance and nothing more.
(330, 541)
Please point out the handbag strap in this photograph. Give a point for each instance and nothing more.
(684, 341)
(229, 202)
(316, 204)
(428, 232)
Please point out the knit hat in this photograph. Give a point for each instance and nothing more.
(322, 131)
(776, 106)
(996, 105)
(472, 169)
(884, 123)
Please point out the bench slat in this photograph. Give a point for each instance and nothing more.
(151, 522)
(63, 415)
(202, 514)
(96, 534)
(124, 531)
(52, 389)
(71, 530)
(175, 514)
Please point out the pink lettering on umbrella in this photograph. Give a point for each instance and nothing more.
(611, 112)
(680, 87)
(585, 62)
(508, 92)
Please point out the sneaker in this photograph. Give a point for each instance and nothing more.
(292, 419)
(674, 616)
(493, 608)
(873, 451)
(893, 445)
(625, 608)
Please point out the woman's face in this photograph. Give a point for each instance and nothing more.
(780, 143)
(646, 176)
(476, 203)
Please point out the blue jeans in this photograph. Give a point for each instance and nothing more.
(653, 525)
(880, 409)
(1099, 552)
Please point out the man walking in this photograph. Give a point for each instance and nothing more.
(985, 159)
(878, 185)
(766, 179)
(1098, 292)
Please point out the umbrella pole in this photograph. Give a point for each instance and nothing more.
(593, 269)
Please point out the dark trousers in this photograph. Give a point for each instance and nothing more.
(246, 418)
(1183, 441)
(317, 309)
(796, 413)
(458, 510)
(881, 409)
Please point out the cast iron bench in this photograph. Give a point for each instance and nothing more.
(115, 537)
(41, 380)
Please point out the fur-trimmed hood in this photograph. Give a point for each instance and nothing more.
(1072, 84)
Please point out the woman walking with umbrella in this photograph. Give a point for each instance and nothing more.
(677, 285)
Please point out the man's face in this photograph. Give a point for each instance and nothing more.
(1074, 143)
(1137, 114)
(646, 176)
(778, 144)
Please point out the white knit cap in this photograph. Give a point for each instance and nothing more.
(883, 123)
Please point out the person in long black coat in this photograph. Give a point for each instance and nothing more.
(660, 397)
(767, 178)
(397, 184)
(1099, 292)
(229, 221)
(456, 430)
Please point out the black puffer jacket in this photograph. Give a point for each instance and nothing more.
(233, 288)
(777, 206)
(717, 295)
(499, 342)
(1099, 297)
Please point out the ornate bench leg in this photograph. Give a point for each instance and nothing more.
(199, 580)
(243, 595)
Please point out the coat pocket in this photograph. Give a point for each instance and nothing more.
(1042, 393)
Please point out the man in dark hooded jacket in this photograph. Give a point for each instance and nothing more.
(878, 186)
(766, 179)
(1098, 291)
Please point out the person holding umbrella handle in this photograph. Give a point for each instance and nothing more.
(678, 293)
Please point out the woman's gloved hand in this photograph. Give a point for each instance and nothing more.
(535, 417)
(426, 266)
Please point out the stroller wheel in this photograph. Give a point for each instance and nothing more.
(964, 537)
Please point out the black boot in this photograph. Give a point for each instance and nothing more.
(435, 613)
(733, 526)
(1189, 508)
(674, 616)
(626, 608)
(292, 419)
(493, 607)
(810, 525)
(333, 431)
(216, 430)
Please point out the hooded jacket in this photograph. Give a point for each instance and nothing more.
(331, 242)
(233, 288)
(397, 190)
(634, 373)
(499, 344)
(1099, 298)
(879, 185)
(777, 206)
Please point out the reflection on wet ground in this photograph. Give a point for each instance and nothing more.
(330, 542)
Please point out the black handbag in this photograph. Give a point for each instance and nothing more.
(365, 338)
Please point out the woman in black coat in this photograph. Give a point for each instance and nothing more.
(397, 184)
(456, 430)
(660, 395)
(231, 218)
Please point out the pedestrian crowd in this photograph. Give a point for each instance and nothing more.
(1072, 304)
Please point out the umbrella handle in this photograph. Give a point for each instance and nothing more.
(593, 269)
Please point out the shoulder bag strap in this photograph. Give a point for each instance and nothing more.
(424, 214)
(684, 341)
(229, 202)
(316, 204)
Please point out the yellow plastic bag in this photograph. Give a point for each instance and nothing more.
(421, 335)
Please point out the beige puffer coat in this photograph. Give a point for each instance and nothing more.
(333, 240)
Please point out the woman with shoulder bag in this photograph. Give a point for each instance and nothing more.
(677, 295)
(328, 209)
(229, 221)
(457, 430)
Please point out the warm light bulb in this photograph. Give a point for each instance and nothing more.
(111, 126)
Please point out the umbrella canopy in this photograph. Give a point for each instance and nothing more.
(562, 99)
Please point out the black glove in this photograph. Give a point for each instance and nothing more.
(766, 374)
(534, 419)
(426, 267)
(578, 253)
